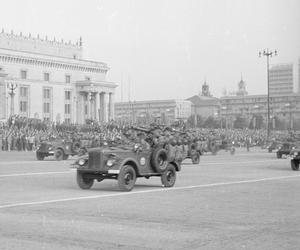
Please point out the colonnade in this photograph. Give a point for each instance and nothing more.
(95, 106)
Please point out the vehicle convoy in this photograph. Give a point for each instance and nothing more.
(125, 163)
(61, 149)
(295, 155)
(284, 149)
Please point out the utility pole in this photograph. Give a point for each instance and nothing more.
(268, 54)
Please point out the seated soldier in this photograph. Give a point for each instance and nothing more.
(141, 140)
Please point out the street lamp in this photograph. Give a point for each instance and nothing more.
(268, 54)
(11, 91)
(289, 106)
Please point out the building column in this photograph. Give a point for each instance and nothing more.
(111, 106)
(101, 97)
(96, 104)
(105, 104)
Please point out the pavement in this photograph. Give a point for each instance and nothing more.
(246, 201)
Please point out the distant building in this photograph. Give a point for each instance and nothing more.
(284, 107)
(54, 82)
(205, 104)
(281, 79)
(165, 111)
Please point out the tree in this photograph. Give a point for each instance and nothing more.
(211, 122)
(240, 122)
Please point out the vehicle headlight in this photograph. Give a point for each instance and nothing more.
(81, 161)
(110, 162)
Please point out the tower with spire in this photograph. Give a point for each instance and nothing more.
(205, 89)
(241, 88)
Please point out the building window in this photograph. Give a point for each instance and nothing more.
(23, 74)
(68, 79)
(46, 107)
(85, 109)
(23, 106)
(67, 95)
(68, 109)
(46, 77)
(23, 92)
(87, 78)
(46, 94)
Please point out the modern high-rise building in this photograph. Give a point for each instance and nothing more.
(50, 80)
(281, 79)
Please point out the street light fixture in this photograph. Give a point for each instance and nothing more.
(11, 86)
(268, 54)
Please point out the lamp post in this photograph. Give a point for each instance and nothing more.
(268, 54)
(289, 106)
(11, 86)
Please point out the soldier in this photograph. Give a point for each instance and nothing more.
(141, 139)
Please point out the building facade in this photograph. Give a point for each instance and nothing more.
(281, 79)
(165, 111)
(283, 107)
(204, 104)
(51, 81)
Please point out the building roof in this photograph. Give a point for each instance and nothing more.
(200, 100)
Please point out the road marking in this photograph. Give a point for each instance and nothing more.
(64, 172)
(146, 191)
(38, 173)
(32, 162)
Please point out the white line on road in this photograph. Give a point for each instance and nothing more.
(146, 191)
(38, 173)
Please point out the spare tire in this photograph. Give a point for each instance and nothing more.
(159, 160)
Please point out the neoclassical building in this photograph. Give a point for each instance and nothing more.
(49, 80)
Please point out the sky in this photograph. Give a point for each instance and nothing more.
(166, 49)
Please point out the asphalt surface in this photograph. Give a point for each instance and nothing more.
(246, 201)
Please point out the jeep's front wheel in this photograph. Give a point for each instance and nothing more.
(83, 182)
(195, 158)
(59, 154)
(295, 165)
(126, 178)
(40, 156)
(168, 177)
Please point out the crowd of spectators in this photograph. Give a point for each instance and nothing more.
(25, 134)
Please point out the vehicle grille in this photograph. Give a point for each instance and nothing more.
(43, 147)
(94, 159)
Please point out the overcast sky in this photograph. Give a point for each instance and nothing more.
(167, 48)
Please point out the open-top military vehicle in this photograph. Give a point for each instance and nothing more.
(125, 163)
(61, 149)
(284, 149)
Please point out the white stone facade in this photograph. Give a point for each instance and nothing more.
(53, 81)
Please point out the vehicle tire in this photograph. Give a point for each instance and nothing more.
(59, 154)
(295, 165)
(195, 158)
(65, 157)
(232, 151)
(126, 178)
(76, 147)
(159, 160)
(168, 177)
(279, 155)
(40, 156)
(83, 182)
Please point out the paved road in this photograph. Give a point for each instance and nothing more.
(246, 201)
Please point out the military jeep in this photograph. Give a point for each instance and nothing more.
(125, 163)
(61, 149)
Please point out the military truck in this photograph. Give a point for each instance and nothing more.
(61, 149)
(125, 163)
